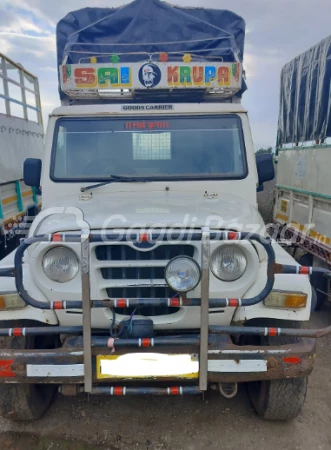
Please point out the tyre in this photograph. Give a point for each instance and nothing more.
(278, 399)
(318, 281)
(24, 402)
(313, 305)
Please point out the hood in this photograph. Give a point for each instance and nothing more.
(161, 210)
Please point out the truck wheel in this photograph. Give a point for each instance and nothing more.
(313, 305)
(278, 399)
(24, 402)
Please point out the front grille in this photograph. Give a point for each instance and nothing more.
(126, 253)
(133, 273)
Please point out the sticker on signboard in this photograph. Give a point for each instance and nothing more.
(300, 170)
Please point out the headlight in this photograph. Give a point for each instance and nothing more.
(228, 263)
(182, 274)
(60, 264)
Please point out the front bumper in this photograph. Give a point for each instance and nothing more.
(227, 362)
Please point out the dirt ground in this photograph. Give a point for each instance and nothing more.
(187, 423)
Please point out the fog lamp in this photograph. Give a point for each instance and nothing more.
(182, 274)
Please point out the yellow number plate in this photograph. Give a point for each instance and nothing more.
(147, 365)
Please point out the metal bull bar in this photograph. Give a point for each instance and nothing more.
(205, 236)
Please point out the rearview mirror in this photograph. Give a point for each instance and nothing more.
(32, 172)
(265, 168)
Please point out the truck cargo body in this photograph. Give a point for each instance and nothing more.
(21, 136)
(303, 185)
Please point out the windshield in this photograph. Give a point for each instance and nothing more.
(157, 148)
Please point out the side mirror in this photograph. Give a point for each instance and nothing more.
(32, 172)
(265, 167)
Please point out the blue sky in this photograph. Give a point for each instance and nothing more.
(277, 31)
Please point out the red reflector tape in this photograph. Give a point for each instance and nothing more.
(233, 235)
(121, 303)
(57, 237)
(304, 270)
(17, 331)
(175, 302)
(118, 390)
(146, 342)
(174, 390)
(5, 368)
(233, 302)
(292, 360)
(58, 305)
(272, 331)
(144, 237)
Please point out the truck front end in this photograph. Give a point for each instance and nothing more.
(149, 269)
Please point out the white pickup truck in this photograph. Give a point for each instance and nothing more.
(149, 270)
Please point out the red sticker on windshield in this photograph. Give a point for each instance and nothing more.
(145, 125)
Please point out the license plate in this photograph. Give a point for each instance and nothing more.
(147, 365)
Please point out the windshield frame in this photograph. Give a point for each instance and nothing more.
(164, 178)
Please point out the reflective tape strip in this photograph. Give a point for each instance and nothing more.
(233, 302)
(54, 370)
(122, 303)
(117, 390)
(273, 331)
(58, 305)
(233, 236)
(17, 332)
(8, 200)
(282, 217)
(175, 390)
(175, 302)
(144, 237)
(5, 368)
(27, 193)
(235, 366)
(146, 342)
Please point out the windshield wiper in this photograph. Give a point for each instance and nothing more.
(114, 179)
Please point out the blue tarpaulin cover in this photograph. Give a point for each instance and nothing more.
(149, 26)
(305, 96)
